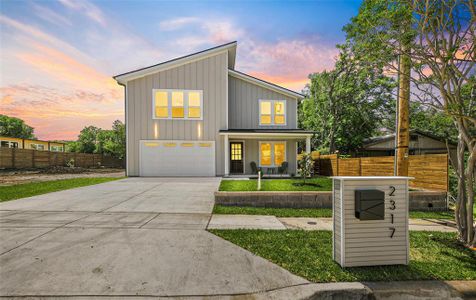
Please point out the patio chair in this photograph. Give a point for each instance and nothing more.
(254, 168)
(283, 169)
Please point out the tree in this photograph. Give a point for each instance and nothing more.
(88, 139)
(96, 140)
(113, 142)
(305, 166)
(424, 118)
(15, 127)
(442, 49)
(343, 105)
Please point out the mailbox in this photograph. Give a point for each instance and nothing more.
(370, 204)
(370, 220)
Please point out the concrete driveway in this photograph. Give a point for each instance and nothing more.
(132, 237)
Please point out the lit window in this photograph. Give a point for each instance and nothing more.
(205, 145)
(272, 154)
(177, 105)
(170, 144)
(279, 153)
(187, 145)
(161, 104)
(272, 112)
(265, 110)
(279, 112)
(194, 109)
(265, 149)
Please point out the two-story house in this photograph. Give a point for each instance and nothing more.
(198, 116)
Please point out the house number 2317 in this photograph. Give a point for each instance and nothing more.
(392, 207)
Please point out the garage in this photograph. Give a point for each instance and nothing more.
(177, 158)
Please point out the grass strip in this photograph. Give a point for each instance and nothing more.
(433, 256)
(23, 190)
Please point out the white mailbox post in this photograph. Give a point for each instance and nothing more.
(370, 217)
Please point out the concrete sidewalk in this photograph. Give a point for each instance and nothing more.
(272, 222)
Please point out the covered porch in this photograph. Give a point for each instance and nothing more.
(273, 151)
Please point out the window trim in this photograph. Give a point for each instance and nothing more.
(272, 112)
(272, 165)
(169, 104)
(36, 146)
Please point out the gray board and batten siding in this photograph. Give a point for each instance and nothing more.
(243, 109)
(208, 74)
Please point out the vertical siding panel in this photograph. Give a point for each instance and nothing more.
(188, 85)
(169, 124)
(181, 85)
(245, 97)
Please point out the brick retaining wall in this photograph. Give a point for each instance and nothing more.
(419, 200)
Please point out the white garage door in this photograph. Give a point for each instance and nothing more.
(177, 158)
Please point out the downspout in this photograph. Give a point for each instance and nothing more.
(125, 123)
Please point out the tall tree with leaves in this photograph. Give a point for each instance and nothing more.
(343, 105)
(442, 48)
(15, 127)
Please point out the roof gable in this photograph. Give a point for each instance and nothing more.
(265, 84)
(229, 47)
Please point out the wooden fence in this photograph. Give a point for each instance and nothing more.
(430, 170)
(14, 158)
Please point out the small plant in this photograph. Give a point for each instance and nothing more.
(293, 175)
(305, 166)
(70, 163)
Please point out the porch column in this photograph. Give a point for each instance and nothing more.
(308, 144)
(227, 156)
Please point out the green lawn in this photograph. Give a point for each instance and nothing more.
(18, 191)
(312, 212)
(312, 184)
(269, 211)
(434, 255)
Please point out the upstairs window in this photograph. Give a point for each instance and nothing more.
(177, 104)
(272, 112)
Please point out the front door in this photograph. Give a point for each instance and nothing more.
(236, 158)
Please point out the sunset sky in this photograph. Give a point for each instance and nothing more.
(57, 58)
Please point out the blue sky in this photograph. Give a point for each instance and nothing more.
(57, 57)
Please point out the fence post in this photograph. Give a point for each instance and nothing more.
(337, 164)
(33, 158)
(360, 166)
(13, 157)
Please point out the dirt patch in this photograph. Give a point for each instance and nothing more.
(26, 176)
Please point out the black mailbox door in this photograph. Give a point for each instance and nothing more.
(370, 204)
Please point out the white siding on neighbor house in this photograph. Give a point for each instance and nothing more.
(209, 75)
(243, 109)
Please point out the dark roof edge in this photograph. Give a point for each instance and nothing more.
(273, 84)
(174, 59)
(378, 139)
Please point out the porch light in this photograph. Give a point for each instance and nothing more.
(199, 130)
(156, 130)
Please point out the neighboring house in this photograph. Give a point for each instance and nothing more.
(420, 143)
(197, 116)
(9, 142)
